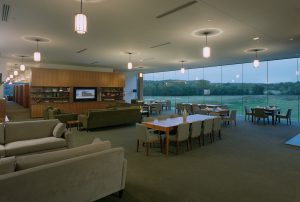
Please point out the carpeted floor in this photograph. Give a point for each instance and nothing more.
(250, 164)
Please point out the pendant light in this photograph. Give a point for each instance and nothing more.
(80, 22)
(16, 73)
(206, 49)
(182, 70)
(129, 65)
(11, 76)
(22, 66)
(141, 75)
(37, 54)
(256, 61)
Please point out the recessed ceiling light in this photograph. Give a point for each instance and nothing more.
(291, 39)
(209, 20)
(256, 38)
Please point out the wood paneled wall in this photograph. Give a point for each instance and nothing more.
(21, 94)
(71, 78)
(2, 110)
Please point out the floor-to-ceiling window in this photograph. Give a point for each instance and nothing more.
(274, 83)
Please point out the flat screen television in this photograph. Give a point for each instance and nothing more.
(85, 94)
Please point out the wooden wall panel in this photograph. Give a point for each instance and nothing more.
(71, 78)
(2, 110)
(75, 107)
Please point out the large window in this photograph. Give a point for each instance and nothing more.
(274, 83)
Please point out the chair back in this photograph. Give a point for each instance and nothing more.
(195, 109)
(217, 123)
(169, 104)
(247, 110)
(141, 132)
(183, 131)
(156, 108)
(179, 107)
(259, 112)
(289, 113)
(188, 108)
(196, 129)
(207, 126)
(203, 112)
(233, 115)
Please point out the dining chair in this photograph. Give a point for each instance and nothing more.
(163, 117)
(207, 129)
(259, 113)
(179, 108)
(287, 116)
(248, 113)
(230, 118)
(146, 137)
(181, 135)
(195, 132)
(148, 119)
(168, 105)
(217, 126)
(156, 108)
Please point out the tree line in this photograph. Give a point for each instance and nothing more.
(197, 87)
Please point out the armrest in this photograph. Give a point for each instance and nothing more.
(83, 119)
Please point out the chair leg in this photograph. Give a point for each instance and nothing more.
(190, 139)
(137, 145)
(161, 144)
(199, 138)
(187, 145)
(177, 147)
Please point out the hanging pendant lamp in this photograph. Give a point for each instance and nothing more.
(206, 49)
(37, 54)
(80, 22)
(16, 73)
(256, 61)
(129, 65)
(141, 75)
(22, 66)
(182, 70)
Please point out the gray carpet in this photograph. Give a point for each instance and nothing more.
(250, 164)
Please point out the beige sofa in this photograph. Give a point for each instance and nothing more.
(19, 138)
(84, 173)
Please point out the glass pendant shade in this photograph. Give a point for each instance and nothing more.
(16, 73)
(206, 52)
(37, 56)
(22, 67)
(182, 70)
(256, 63)
(80, 23)
(11, 76)
(141, 75)
(129, 65)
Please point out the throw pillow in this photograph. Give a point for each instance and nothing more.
(96, 139)
(7, 165)
(59, 130)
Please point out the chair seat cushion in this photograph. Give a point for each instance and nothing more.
(2, 151)
(153, 137)
(34, 145)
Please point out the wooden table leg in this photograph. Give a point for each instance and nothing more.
(167, 142)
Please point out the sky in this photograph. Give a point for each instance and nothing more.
(277, 71)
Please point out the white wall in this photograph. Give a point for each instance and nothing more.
(130, 84)
(72, 67)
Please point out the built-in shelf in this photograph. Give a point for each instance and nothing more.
(111, 94)
(49, 94)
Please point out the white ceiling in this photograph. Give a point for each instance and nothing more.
(117, 26)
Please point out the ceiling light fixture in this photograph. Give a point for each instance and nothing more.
(37, 54)
(206, 49)
(256, 61)
(80, 22)
(22, 66)
(182, 70)
(141, 75)
(129, 65)
(11, 76)
(16, 73)
(10, 83)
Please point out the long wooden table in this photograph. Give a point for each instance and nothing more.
(168, 124)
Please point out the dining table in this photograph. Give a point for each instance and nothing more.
(272, 111)
(167, 125)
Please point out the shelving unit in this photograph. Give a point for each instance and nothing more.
(49, 95)
(111, 94)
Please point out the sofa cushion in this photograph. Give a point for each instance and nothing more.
(34, 145)
(59, 130)
(1, 133)
(2, 151)
(7, 165)
(16, 131)
(29, 161)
